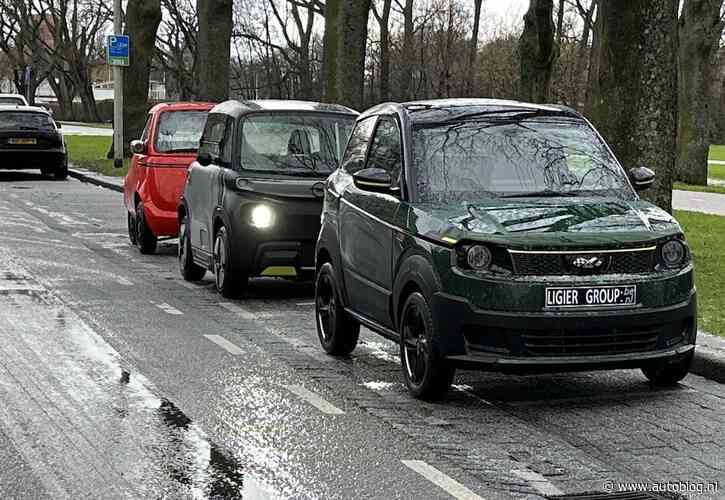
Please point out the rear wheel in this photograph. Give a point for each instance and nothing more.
(228, 283)
(61, 172)
(145, 239)
(667, 373)
(131, 228)
(189, 270)
(426, 372)
(337, 330)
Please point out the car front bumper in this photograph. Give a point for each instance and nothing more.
(554, 341)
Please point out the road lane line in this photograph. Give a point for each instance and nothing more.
(238, 310)
(168, 309)
(315, 400)
(189, 285)
(123, 281)
(225, 344)
(305, 304)
(450, 485)
(538, 482)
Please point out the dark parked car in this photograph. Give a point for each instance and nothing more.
(502, 236)
(31, 139)
(253, 198)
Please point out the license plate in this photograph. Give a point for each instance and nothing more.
(22, 141)
(595, 296)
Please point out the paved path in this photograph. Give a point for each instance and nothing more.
(73, 129)
(709, 203)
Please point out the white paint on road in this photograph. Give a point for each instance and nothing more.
(315, 400)
(306, 304)
(238, 310)
(538, 482)
(225, 344)
(447, 483)
(169, 309)
(123, 281)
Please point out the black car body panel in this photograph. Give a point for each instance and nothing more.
(386, 244)
(222, 192)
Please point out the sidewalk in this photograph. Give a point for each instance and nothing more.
(709, 359)
(709, 203)
(106, 181)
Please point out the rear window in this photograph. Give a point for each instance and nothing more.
(180, 131)
(13, 120)
(12, 101)
(295, 144)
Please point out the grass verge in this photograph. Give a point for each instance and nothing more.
(716, 172)
(89, 152)
(706, 237)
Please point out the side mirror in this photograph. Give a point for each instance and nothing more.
(138, 147)
(642, 178)
(373, 179)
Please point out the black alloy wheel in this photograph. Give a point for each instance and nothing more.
(190, 271)
(337, 330)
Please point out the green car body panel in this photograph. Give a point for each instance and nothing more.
(386, 245)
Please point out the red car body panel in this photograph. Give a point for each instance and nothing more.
(157, 179)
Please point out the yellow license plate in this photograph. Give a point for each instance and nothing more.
(22, 141)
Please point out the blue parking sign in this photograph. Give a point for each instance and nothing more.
(117, 50)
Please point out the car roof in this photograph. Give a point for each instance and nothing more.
(23, 109)
(182, 106)
(439, 110)
(239, 108)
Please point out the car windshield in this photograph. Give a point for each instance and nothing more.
(14, 120)
(295, 144)
(518, 155)
(180, 131)
(11, 101)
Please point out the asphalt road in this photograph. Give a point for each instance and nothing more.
(119, 380)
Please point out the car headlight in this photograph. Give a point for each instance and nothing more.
(673, 253)
(479, 257)
(262, 217)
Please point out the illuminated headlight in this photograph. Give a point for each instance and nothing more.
(262, 217)
(673, 253)
(479, 257)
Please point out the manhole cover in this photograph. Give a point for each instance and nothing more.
(618, 496)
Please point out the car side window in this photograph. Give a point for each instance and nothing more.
(354, 157)
(386, 150)
(212, 140)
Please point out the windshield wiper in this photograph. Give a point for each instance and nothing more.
(546, 193)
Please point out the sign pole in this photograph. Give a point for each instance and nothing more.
(117, 94)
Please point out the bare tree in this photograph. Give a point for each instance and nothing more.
(634, 91)
(473, 48)
(538, 51)
(353, 31)
(383, 18)
(213, 46)
(176, 47)
(701, 27)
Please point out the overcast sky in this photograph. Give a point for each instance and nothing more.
(505, 9)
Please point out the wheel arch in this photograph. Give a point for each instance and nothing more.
(415, 273)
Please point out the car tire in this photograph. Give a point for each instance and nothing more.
(145, 240)
(337, 330)
(189, 270)
(228, 283)
(131, 223)
(668, 373)
(426, 372)
(61, 173)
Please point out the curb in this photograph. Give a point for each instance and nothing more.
(83, 176)
(709, 359)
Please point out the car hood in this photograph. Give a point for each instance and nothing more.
(536, 219)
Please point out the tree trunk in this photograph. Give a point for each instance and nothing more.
(634, 92)
(406, 68)
(353, 22)
(214, 49)
(700, 31)
(470, 84)
(329, 50)
(384, 22)
(538, 51)
(142, 21)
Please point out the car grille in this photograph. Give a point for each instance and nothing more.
(589, 342)
(560, 264)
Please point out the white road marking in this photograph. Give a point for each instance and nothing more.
(450, 485)
(225, 344)
(239, 310)
(168, 309)
(189, 285)
(538, 482)
(315, 400)
(123, 281)
(306, 304)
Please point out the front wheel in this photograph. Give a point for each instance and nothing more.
(426, 372)
(337, 330)
(189, 270)
(145, 239)
(228, 283)
(668, 373)
(61, 173)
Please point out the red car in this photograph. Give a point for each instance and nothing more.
(156, 179)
